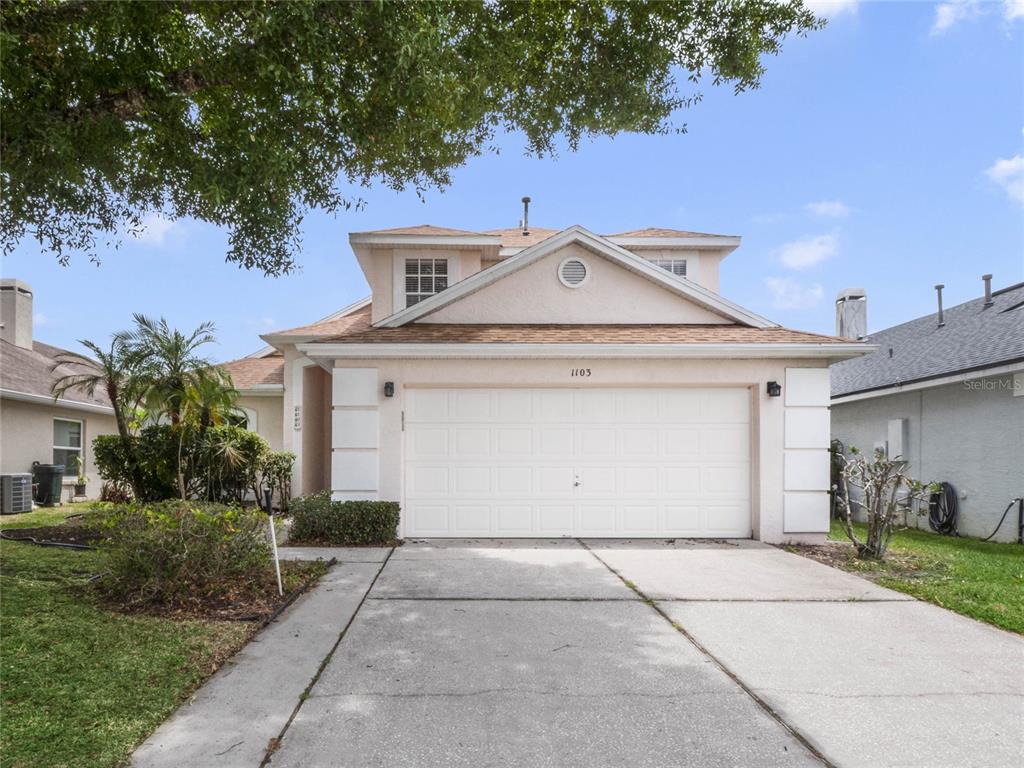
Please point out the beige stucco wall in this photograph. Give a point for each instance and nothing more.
(383, 264)
(768, 414)
(26, 435)
(610, 294)
(269, 417)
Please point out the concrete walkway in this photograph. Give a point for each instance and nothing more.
(602, 653)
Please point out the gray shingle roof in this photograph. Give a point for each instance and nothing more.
(973, 338)
(28, 371)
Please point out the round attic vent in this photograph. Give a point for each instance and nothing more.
(573, 273)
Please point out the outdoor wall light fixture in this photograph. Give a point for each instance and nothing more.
(774, 389)
(389, 389)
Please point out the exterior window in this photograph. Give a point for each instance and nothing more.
(424, 278)
(676, 266)
(67, 444)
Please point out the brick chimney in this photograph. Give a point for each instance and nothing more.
(16, 312)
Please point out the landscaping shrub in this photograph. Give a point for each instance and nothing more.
(178, 553)
(223, 463)
(317, 519)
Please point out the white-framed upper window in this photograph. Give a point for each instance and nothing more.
(676, 266)
(67, 444)
(424, 278)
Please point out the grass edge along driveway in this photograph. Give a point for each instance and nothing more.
(82, 685)
(980, 579)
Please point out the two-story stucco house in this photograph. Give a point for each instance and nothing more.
(542, 383)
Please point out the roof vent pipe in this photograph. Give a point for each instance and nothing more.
(988, 290)
(526, 216)
(938, 290)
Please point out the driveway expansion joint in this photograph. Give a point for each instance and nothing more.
(764, 705)
(276, 741)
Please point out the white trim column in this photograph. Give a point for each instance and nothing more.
(355, 433)
(806, 458)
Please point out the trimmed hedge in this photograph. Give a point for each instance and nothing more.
(180, 552)
(318, 520)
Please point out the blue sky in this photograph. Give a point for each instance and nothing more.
(885, 151)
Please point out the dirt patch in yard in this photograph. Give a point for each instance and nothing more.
(843, 555)
(256, 602)
(67, 533)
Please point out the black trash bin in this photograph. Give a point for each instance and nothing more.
(47, 478)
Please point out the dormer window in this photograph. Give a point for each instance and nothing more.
(676, 266)
(424, 278)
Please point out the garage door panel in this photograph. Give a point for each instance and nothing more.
(729, 441)
(471, 405)
(681, 520)
(472, 481)
(725, 405)
(594, 441)
(472, 520)
(636, 443)
(555, 480)
(598, 480)
(596, 519)
(574, 462)
(681, 480)
(681, 443)
(513, 519)
(429, 441)
(429, 520)
(427, 480)
(640, 520)
(555, 441)
(471, 442)
(555, 519)
(642, 479)
(729, 480)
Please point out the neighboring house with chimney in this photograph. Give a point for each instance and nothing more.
(539, 382)
(33, 426)
(945, 392)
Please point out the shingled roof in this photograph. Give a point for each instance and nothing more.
(252, 372)
(28, 371)
(973, 338)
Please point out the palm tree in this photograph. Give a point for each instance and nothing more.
(174, 366)
(114, 372)
(181, 385)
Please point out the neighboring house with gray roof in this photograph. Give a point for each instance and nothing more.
(946, 392)
(33, 426)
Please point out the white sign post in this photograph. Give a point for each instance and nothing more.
(268, 496)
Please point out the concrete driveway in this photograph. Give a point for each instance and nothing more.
(602, 653)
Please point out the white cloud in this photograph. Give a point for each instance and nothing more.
(767, 218)
(265, 323)
(953, 12)
(40, 319)
(154, 229)
(787, 293)
(1013, 9)
(831, 209)
(1008, 173)
(808, 251)
(832, 8)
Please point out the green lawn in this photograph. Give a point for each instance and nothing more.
(82, 686)
(983, 580)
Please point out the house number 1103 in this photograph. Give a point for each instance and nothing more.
(581, 372)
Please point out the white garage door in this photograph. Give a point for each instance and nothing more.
(577, 462)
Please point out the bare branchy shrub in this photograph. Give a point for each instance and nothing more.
(880, 489)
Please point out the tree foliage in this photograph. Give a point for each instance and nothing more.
(248, 114)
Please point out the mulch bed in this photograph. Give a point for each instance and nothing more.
(842, 555)
(80, 535)
(249, 602)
